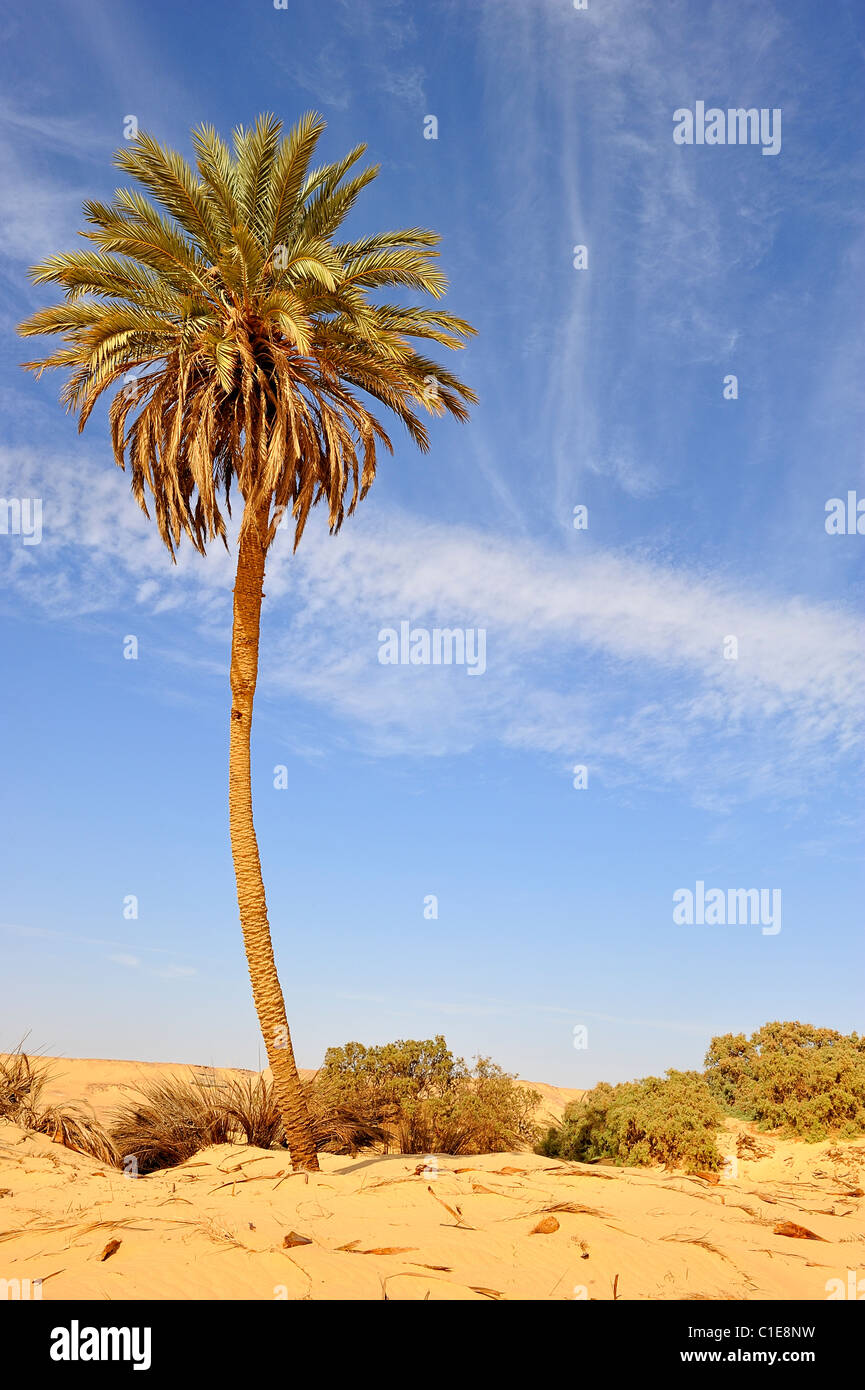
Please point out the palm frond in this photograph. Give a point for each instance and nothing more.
(242, 342)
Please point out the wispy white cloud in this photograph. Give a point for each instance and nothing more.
(170, 970)
(607, 658)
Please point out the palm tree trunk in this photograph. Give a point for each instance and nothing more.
(266, 990)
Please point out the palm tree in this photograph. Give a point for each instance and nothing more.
(248, 349)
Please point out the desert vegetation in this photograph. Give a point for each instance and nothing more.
(23, 1079)
(671, 1119)
(429, 1101)
(804, 1081)
(410, 1096)
(416, 1097)
(792, 1078)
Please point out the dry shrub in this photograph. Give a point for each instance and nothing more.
(23, 1079)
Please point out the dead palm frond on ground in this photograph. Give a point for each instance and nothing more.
(246, 354)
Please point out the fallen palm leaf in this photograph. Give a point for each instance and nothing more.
(572, 1209)
(301, 1173)
(386, 1250)
(293, 1238)
(701, 1241)
(791, 1228)
(455, 1213)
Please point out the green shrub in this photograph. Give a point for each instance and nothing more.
(671, 1119)
(428, 1100)
(805, 1081)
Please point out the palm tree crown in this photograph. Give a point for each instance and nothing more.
(243, 333)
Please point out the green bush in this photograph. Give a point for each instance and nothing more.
(428, 1100)
(671, 1119)
(805, 1081)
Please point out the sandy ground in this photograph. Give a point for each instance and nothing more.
(235, 1223)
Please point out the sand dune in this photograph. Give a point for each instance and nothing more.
(408, 1228)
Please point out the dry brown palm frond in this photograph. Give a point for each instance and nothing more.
(73, 1127)
(697, 1240)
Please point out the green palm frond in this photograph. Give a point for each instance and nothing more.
(239, 337)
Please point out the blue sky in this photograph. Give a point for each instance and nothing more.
(600, 386)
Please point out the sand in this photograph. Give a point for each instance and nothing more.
(403, 1227)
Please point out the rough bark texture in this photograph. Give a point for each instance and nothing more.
(266, 990)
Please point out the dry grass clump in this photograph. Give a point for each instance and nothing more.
(250, 1106)
(23, 1079)
(170, 1119)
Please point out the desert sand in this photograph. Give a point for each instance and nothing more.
(236, 1223)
